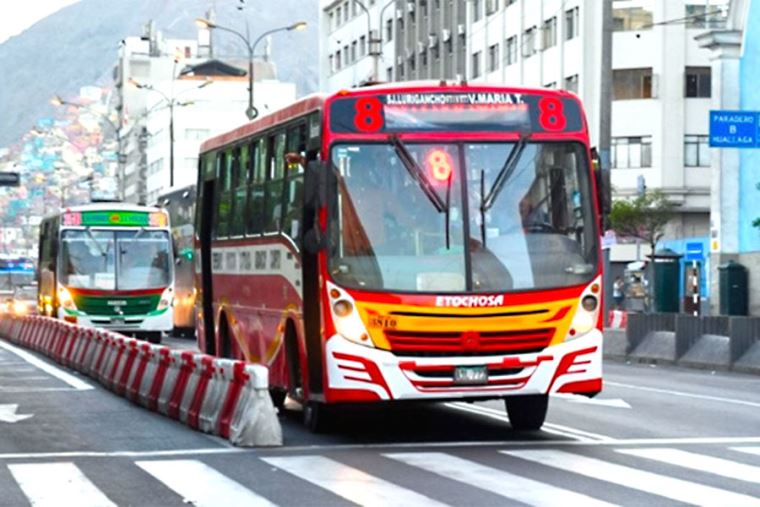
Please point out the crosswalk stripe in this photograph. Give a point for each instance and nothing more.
(699, 462)
(200, 485)
(55, 484)
(669, 487)
(748, 450)
(349, 482)
(496, 481)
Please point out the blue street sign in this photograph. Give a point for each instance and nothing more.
(734, 129)
(695, 251)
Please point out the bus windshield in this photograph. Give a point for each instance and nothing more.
(115, 260)
(505, 216)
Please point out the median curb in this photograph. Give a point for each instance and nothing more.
(218, 396)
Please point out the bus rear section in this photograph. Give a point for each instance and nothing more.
(110, 268)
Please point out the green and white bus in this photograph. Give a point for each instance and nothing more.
(108, 265)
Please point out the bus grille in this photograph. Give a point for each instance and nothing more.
(100, 305)
(468, 343)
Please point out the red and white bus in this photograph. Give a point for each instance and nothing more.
(407, 241)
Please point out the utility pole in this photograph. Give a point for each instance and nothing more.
(605, 127)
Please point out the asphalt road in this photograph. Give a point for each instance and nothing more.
(656, 436)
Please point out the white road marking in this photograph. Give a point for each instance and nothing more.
(21, 377)
(350, 483)
(123, 454)
(202, 486)
(47, 368)
(668, 487)
(8, 414)
(6, 389)
(699, 462)
(603, 402)
(748, 450)
(684, 394)
(55, 484)
(494, 480)
(555, 429)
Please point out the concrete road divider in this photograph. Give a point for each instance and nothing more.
(219, 396)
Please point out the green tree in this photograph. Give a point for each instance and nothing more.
(643, 217)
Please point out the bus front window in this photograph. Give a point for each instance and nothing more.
(144, 259)
(399, 223)
(87, 260)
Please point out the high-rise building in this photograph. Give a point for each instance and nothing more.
(661, 83)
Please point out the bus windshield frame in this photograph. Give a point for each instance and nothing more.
(516, 240)
(123, 266)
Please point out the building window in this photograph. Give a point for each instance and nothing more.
(332, 63)
(345, 56)
(345, 12)
(331, 20)
(702, 16)
(353, 51)
(338, 16)
(363, 45)
(354, 8)
(389, 74)
(696, 151)
(549, 33)
(338, 61)
(491, 6)
(476, 64)
(572, 23)
(631, 152)
(630, 84)
(493, 57)
(507, 3)
(571, 83)
(529, 42)
(698, 82)
(389, 30)
(511, 50)
(627, 17)
(477, 10)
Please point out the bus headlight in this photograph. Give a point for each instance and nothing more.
(587, 312)
(65, 299)
(19, 308)
(167, 298)
(347, 321)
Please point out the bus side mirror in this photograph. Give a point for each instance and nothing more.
(603, 189)
(315, 198)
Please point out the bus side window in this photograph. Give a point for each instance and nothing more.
(275, 184)
(296, 145)
(255, 215)
(224, 202)
(239, 171)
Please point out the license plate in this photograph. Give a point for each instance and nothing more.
(470, 375)
(117, 322)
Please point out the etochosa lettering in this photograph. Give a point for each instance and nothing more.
(469, 301)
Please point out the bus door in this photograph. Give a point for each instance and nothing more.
(205, 212)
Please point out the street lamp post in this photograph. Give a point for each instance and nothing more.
(171, 102)
(251, 112)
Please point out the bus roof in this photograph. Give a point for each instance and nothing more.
(316, 101)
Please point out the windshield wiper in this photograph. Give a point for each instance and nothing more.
(506, 171)
(417, 174)
(97, 243)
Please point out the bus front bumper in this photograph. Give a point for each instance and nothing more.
(357, 373)
(163, 321)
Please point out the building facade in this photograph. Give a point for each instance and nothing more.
(661, 83)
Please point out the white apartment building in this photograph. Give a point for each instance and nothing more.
(661, 77)
(200, 113)
(151, 73)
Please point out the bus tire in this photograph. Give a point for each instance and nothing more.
(317, 417)
(149, 336)
(225, 342)
(527, 412)
(278, 396)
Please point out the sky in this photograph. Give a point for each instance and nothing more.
(18, 15)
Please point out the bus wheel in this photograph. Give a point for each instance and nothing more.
(278, 396)
(150, 336)
(527, 413)
(317, 416)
